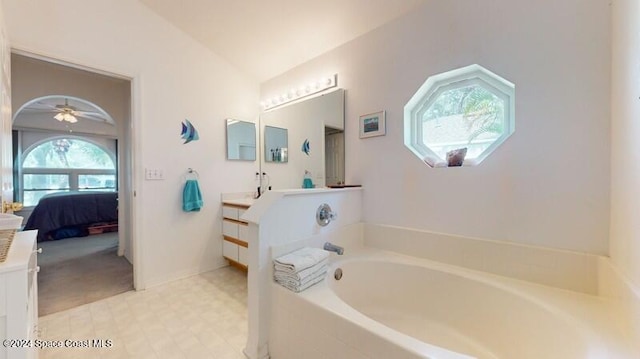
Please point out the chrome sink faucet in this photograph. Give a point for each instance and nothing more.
(333, 248)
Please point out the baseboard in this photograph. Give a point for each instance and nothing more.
(153, 282)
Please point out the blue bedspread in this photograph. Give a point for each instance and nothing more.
(72, 210)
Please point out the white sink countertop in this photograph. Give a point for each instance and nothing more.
(239, 201)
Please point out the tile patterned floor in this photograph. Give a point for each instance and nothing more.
(204, 316)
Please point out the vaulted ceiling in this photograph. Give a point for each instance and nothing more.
(265, 38)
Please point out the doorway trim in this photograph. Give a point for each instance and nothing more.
(131, 136)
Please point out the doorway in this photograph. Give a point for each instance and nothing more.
(43, 89)
(334, 156)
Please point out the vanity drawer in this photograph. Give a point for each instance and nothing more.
(230, 228)
(235, 233)
(230, 250)
(230, 212)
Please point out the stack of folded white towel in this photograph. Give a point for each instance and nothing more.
(301, 269)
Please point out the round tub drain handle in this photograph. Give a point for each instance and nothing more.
(337, 274)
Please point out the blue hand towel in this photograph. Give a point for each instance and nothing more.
(191, 196)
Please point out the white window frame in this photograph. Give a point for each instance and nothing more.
(435, 85)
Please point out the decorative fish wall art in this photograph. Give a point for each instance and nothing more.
(189, 133)
(306, 148)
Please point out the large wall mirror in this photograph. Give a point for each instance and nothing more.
(315, 142)
(241, 140)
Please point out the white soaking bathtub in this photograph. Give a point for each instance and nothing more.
(393, 306)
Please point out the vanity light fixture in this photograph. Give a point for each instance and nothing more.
(300, 92)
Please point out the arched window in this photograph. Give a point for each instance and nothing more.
(66, 164)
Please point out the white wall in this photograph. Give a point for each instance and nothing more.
(625, 146)
(548, 184)
(174, 78)
(6, 177)
(621, 276)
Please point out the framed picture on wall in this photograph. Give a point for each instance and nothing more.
(373, 124)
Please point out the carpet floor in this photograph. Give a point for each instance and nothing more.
(77, 271)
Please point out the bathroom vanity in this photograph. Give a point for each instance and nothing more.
(235, 246)
(19, 297)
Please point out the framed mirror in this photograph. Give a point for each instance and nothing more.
(276, 144)
(241, 140)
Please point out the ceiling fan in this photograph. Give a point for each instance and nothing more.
(66, 112)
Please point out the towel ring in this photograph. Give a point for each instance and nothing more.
(192, 174)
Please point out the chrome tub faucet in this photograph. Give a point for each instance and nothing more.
(333, 248)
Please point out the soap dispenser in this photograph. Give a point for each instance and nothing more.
(307, 182)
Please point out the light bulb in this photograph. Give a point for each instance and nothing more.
(321, 84)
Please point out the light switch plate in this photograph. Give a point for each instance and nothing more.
(152, 174)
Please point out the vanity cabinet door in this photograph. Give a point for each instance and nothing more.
(19, 292)
(235, 235)
(243, 255)
(230, 250)
(243, 232)
(230, 229)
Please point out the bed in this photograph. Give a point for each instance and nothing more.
(70, 214)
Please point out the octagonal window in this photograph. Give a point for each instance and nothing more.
(459, 117)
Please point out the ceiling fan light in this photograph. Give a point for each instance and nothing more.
(66, 116)
(70, 118)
